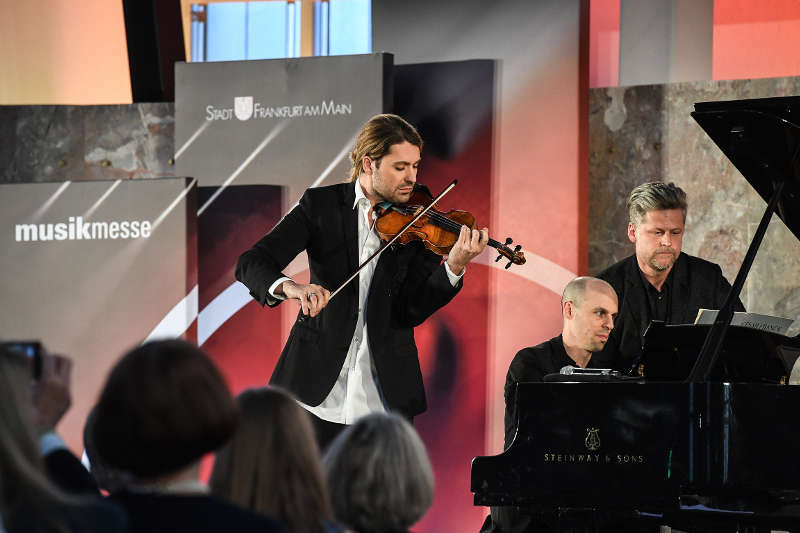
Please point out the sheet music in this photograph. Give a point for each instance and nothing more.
(773, 324)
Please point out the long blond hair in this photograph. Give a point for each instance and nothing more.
(24, 488)
(377, 137)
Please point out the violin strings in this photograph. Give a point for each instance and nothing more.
(444, 222)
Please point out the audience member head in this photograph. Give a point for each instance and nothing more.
(272, 464)
(163, 406)
(657, 218)
(26, 494)
(377, 137)
(379, 476)
(588, 308)
(107, 478)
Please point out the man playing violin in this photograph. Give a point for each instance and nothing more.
(355, 354)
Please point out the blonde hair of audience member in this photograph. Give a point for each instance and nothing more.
(379, 476)
(272, 464)
(24, 488)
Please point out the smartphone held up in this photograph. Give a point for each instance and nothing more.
(31, 351)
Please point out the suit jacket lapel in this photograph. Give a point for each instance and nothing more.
(381, 268)
(350, 228)
(636, 297)
(681, 295)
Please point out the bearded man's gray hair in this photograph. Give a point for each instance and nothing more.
(655, 196)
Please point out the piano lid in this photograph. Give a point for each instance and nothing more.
(761, 137)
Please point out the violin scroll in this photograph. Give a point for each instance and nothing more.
(514, 256)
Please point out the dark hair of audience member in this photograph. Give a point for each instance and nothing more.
(26, 494)
(272, 464)
(163, 407)
(107, 479)
(379, 476)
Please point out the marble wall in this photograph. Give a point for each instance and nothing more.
(637, 134)
(57, 143)
(645, 133)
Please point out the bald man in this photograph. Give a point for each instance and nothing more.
(588, 309)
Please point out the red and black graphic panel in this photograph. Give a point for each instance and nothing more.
(451, 104)
(241, 336)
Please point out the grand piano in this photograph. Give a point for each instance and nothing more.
(708, 428)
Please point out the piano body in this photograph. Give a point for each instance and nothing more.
(709, 427)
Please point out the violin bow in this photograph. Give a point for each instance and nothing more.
(399, 233)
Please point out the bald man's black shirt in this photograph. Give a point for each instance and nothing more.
(532, 364)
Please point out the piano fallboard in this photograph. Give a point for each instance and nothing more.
(637, 445)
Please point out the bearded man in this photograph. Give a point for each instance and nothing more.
(355, 354)
(658, 282)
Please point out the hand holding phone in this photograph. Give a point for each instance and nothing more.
(52, 392)
(31, 351)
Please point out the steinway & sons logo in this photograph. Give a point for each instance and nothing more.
(592, 444)
(592, 440)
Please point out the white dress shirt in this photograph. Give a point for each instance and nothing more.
(357, 392)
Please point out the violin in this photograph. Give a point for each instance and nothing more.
(438, 230)
(420, 220)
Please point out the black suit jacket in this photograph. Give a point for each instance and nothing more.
(696, 284)
(68, 473)
(197, 513)
(89, 513)
(85, 515)
(409, 284)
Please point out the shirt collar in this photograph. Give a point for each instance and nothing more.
(359, 194)
(665, 287)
